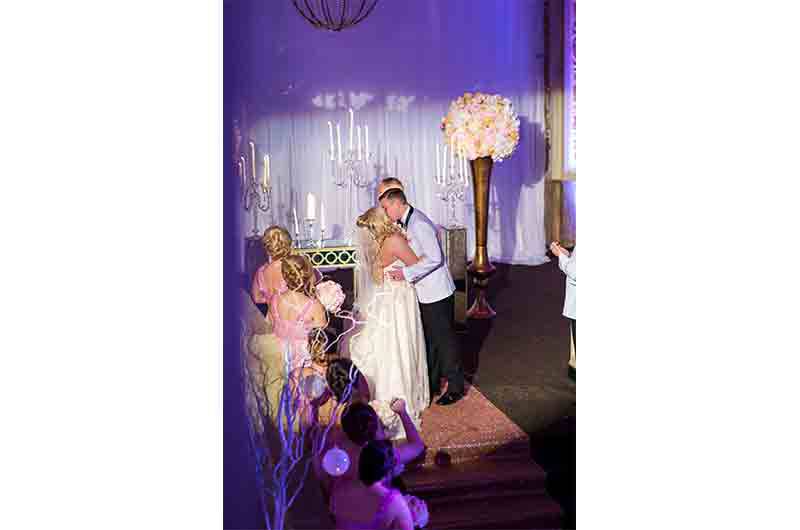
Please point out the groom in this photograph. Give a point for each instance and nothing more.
(434, 285)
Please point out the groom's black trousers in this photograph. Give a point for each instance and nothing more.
(444, 354)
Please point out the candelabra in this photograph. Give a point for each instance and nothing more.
(452, 182)
(308, 226)
(256, 197)
(351, 169)
(351, 173)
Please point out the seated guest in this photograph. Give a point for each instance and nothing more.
(268, 280)
(370, 502)
(361, 425)
(346, 382)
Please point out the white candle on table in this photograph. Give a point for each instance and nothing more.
(351, 128)
(366, 142)
(322, 216)
(339, 141)
(358, 134)
(296, 226)
(330, 132)
(241, 171)
(311, 206)
(266, 165)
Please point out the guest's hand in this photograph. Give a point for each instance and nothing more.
(398, 405)
(396, 275)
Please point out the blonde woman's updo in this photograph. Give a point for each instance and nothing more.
(277, 242)
(381, 227)
(298, 273)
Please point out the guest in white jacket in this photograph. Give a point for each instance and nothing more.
(567, 263)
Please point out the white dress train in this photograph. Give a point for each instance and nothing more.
(390, 351)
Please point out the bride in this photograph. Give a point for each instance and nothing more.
(389, 346)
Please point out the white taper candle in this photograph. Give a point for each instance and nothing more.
(311, 206)
(339, 141)
(351, 128)
(444, 165)
(330, 132)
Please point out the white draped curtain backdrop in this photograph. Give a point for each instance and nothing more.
(399, 69)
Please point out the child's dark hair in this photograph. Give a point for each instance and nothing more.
(376, 461)
(360, 423)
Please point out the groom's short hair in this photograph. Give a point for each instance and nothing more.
(394, 193)
(392, 182)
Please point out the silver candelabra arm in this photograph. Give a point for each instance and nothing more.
(351, 174)
(257, 198)
(351, 169)
(452, 187)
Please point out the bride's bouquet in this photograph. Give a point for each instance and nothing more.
(390, 421)
(330, 295)
(479, 125)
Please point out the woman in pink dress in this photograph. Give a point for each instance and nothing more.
(284, 353)
(296, 311)
(370, 503)
(268, 280)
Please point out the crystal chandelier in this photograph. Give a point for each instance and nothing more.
(334, 15)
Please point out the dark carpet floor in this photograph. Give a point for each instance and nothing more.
(519, 361)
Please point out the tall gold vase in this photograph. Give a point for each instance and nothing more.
(481, 268)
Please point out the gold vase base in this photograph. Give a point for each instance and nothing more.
(480, 307)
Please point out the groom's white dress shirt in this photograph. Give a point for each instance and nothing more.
(430, 276)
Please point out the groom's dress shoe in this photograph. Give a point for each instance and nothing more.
(449, 398)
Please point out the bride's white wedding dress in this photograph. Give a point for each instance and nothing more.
(389, 349)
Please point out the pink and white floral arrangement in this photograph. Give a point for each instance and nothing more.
(330, 295)
(479, 125)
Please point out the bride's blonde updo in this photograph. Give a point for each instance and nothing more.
(298, 273)
(381, 227)
(277, 242)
